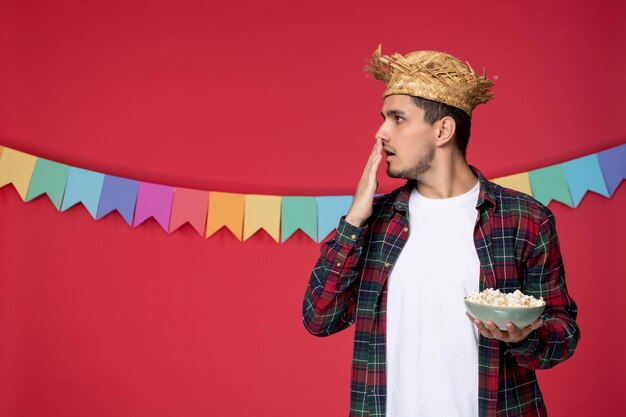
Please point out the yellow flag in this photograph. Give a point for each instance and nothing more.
(262, 212)
(225, 209)
(16, 168)
(518, 182)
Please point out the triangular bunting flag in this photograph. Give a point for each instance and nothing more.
(329, 211)
(550, 184)
(16, 168)
(613, 164)
(262, 212)
(83, 186)
(153, 200)
(189, 206)
(517, 182)
(49, 178)
(118, 194)
(584, 174)
(299, 213)
(225, 210)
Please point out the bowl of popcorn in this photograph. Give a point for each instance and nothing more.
(502, 308)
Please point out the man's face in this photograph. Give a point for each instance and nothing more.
(407, 139)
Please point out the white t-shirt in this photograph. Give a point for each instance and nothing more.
(432, 347)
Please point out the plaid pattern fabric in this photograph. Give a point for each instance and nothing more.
(518, 248)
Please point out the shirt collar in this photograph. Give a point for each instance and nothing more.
(485, 194)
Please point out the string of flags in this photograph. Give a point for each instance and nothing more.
(280, 216)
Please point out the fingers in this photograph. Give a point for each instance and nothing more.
(536, 324)
(361, 208)
(480, 326)
(373, 161)
(496, 332)
(376, 150)
(512, 334)
(368, 179)
(490, 330)
(373, 169)
(515, 334)
(469, 316)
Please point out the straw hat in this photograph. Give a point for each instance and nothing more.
(432, 75)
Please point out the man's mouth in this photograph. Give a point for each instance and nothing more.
(389, 152)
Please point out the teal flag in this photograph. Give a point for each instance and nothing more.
(584, 174)
(298, 213)
(329, 212)
(49, 178)
(549, 184)
(83, 187)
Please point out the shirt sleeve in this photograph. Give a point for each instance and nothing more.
(330, 298)
(544, 276)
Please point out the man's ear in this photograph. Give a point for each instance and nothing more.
(445, 130)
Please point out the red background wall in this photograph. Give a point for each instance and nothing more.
(266, 97)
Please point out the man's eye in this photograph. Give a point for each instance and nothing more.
(398, 119)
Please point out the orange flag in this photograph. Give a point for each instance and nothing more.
(225, 209)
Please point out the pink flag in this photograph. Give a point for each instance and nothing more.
(153, 200)
(189, 206)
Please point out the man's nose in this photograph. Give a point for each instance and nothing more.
(382, 133)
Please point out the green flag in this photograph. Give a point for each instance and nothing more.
(50, 178)
(550, 183)
(299, 213)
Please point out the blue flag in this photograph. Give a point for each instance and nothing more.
(84, 187)
(584, 174)
(613, 163)
(118, 194)
(329, 212)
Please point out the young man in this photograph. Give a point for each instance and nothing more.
(399, 265)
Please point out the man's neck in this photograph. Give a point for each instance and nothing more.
(447, 178)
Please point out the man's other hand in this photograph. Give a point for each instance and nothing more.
(513, 334)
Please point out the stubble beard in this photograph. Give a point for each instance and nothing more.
(422, 165)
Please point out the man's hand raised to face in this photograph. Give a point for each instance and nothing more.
(361, 208)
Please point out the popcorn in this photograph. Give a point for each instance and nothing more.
(496, 298)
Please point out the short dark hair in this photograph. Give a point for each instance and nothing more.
(433, 111)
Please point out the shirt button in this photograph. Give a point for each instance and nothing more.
(406, 229)
(353, 237)
(338, 263)
(387, 265)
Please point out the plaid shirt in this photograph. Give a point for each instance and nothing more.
(518, 248)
